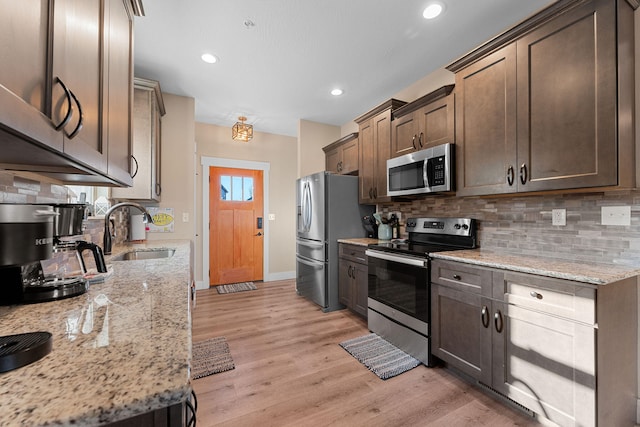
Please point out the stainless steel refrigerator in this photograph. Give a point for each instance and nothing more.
(328, 210)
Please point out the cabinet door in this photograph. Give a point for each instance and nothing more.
(486, 125)
(77, 61)
(24, 35)
(548, 365)
(349, 157)
(361, 288)
(367, 161)
(461, 330)
(436, 123)
(404, 138)
(332, 161)
(344, 282)
(567, 100)
(382, 141)
(119, 74)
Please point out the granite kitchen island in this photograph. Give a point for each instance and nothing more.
(121, 350)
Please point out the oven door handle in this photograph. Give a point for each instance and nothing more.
(395, 258)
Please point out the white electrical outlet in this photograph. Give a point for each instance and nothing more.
(272, 217)
(559, 217)
(616, 215)
(185, 216)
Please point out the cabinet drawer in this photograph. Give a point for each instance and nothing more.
(552, 296)
(464, 277)
(353, 252)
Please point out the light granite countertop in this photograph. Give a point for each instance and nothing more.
(594, 274)
(362, 241)
(120, 350)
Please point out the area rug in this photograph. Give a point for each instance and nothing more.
(381, 357)
(236, 287)
(210, 357)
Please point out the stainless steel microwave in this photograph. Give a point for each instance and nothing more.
(425, 171)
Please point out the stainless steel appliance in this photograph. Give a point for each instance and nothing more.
(399, 306)
(426, 171)
(328, 209)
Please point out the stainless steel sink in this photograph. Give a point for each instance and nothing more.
(139, 254)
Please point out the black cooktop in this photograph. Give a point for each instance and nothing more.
(429, 235)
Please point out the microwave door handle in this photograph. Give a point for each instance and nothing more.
(427, 172)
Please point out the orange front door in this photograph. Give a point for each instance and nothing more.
(236, 225)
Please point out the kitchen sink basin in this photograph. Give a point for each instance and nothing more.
(139, 254)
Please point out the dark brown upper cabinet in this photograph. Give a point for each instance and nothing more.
(68, 90)
(374, 150)
(341, 156)
(423, 123)
(547, 105)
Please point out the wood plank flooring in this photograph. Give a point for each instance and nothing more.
(290, 371)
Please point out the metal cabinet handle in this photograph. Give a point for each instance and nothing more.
(375, 193)
(371, 193)
(457, 277)
(485, 316)
(413, 142)
(67, 95)
(420, 139)
(349, 272)
(158, 189)
(137, 166)
(80, 121)
(535, 294)
(510, 176)
(497, 321)
(523, 174)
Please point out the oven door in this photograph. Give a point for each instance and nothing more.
(400, 282)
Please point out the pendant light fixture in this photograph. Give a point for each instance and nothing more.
(242, 131)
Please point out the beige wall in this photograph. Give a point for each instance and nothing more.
(178, 171)
(281, 154)
(312, 137)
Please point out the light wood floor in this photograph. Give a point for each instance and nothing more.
(290, 371)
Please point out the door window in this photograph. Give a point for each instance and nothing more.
(236, 188)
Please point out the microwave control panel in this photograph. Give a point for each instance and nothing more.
(438, 167)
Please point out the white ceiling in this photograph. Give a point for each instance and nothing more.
(283, 68)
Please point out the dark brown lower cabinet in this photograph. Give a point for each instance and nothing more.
(352, 278)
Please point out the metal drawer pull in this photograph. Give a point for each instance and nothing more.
(485, 316)
(535, 294)
(497, 321)
(457, 277)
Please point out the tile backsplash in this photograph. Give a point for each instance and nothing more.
(522, 224)
(29, 188)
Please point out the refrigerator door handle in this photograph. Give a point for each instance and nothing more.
(310, 243)
(310, 263)
(307, 207)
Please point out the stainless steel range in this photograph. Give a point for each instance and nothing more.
(399, 306)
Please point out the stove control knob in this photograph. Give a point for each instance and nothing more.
(457, 226)
(465, 227)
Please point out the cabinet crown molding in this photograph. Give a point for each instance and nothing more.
(424, 100)
(519, 30)
(342, 140)
(391, 104)
(146, 84)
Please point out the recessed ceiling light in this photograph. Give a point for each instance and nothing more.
(432, 11)
(337, 92)
(209, 58)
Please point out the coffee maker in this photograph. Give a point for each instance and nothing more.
(58, 271)
(26, 236)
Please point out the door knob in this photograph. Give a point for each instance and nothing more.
(259, 233)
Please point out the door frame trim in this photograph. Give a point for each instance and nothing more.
(208, 162)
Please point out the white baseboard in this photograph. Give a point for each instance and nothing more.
(638, 411)
(284, 275)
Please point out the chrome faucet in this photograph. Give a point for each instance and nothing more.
(107, 243)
